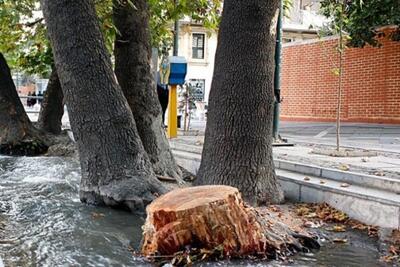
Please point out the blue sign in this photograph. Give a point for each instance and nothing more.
(177, 70)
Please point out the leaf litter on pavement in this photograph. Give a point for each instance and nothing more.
(323, 215)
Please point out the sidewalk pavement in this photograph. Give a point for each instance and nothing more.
(384, 139)
(380, 137)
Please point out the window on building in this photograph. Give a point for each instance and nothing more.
(198, 46)
(198, 87)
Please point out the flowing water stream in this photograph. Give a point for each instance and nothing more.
(43, 223)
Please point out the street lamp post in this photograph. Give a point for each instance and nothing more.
(176, 33)
(176, 37)
(277, 76)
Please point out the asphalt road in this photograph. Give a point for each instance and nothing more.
(369, 136)
(383, 137)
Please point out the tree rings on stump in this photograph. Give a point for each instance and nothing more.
(205, 217)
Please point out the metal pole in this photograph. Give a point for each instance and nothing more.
(176, 38)
(277, 76)
(176, 33)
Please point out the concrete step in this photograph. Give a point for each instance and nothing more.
(368, 205)
(371, 181)
(361, 179)
(365, 199)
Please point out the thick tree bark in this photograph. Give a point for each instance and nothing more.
(116, 170)
(52, 109)
(132, 67)
(237, 149)
(17, 134)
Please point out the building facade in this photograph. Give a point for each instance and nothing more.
(198, 45)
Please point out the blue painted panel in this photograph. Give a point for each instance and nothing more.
(178, 70)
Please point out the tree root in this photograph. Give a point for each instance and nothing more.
(24, 148)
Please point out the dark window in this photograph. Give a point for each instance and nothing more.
(198, 46)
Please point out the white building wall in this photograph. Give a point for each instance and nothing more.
(198, 68)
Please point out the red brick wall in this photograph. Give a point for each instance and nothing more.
(371, 82)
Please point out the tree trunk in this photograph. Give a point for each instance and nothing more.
(52, 109)
(206, 217)
(132, 67)
(17, 134)
(237, 148)
(115, 168)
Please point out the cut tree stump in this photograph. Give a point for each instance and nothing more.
(206, 217)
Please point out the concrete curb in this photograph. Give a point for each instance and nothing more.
(373, 207)
(365, 180)
(370, 199)
(370, 181)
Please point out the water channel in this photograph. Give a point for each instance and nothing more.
(43, 223)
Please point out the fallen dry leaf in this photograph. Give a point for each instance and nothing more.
(96, 215)
(322, 182)
(359, 226)
(389, 258)
(373, 231)
(307, 178)
(379, 173)
(338, 228)
(396, 235)
(310, 224)
(340, 240)
(339, 216)
(344, 167)
(274, 208)
(322, 211)
(344, 185)
(311, 215)
(302, 210)
(393, 250)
